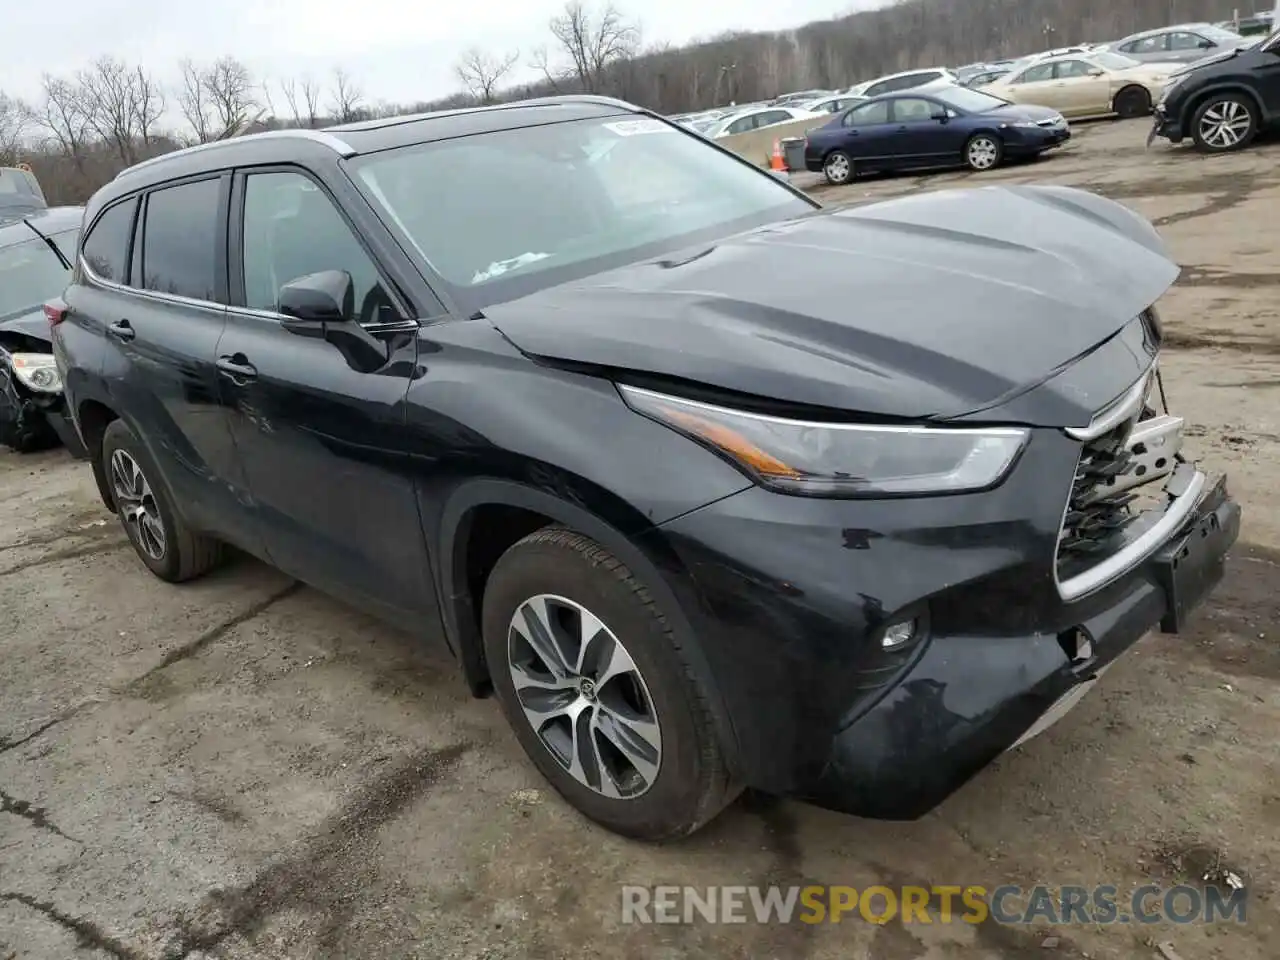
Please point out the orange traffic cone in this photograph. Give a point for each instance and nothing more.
(777, 162)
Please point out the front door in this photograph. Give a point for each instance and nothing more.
(320, 428)
(923, 140)
(1084, 86)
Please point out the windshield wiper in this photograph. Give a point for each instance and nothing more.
(62, 257)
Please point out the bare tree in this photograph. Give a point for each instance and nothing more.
(594, 42)
(230, 89)
(14, 117)
(64, 115)
(480, 72)
(148, 105)
(109, 92)
(193, 102)
(311, 97)
(345, 96)
(541, 61)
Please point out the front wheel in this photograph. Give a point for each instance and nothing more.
(838, 168)
(983, 152)
(1132, 102)
(1223, 123)
(162, 540)
(598, 688)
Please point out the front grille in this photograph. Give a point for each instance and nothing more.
(1093, 517)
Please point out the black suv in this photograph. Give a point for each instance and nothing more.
(714, 487)
(1222, 102)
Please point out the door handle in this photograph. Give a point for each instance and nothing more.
(237, 368)
(122, 330)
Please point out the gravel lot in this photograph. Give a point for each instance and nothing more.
(244, 768)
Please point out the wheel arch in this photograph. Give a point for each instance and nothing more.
(524, 509)
(1132, 85)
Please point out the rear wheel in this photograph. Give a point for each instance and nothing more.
(1132, 102)
(598, 689)
(838, 168)
(983, 151)
(1225, 122)
(160, 537)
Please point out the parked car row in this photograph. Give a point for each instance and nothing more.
(584, 396)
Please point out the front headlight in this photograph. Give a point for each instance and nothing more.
(840, 459)
(36, 371)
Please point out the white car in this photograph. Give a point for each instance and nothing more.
(907, 80)
(745, 121)
(835, 103)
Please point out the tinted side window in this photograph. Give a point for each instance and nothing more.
(912, 110)
(877, 112)
(1042, 71)
(180, 240)
(292, 229)
(1185, 41)
(742, 124)
(106, 248)
(1067, 69)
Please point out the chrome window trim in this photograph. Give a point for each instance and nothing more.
(174, 298)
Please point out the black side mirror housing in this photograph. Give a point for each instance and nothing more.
(1207, 44)
(939, 115)
(322, 305)
(317, 298)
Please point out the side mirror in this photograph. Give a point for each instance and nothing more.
(1207, 44)
(317, 298)
(939, 114)
(1095, 72)
(322, 305)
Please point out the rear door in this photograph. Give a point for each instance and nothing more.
(161, 319)
(1036, 85)
(321, 431)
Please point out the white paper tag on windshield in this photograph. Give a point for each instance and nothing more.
(629, 128)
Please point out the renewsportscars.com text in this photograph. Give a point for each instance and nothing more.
(943, 904)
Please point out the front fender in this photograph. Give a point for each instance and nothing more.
(654, 563)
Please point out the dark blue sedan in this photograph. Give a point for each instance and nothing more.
(940, 127)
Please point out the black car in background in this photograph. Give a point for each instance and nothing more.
(36, 253)
(1222, 102)
(713, 487)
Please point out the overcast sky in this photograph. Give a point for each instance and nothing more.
(398, 50)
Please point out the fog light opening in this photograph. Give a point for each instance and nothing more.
(898, 635)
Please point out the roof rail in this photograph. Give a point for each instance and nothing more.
(380, 122)
(339, 146)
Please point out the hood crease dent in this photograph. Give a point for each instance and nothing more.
(930, 306)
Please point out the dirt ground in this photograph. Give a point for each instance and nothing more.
(243, 768)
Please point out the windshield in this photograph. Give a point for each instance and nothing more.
(499, 215)
(30, 273)
(1217, 34)
(970, 101)
(1113, 61)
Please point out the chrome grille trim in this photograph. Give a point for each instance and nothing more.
(1127, 406)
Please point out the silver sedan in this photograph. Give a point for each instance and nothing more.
(1184, 43)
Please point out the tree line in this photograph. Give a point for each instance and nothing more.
(84, 128)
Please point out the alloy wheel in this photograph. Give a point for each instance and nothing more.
(137, 504)
(584, 696)
(1225, 124)
(838, 168)
(983, 153)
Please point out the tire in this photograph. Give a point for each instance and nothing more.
(838, 168)
(1224, 122)
(679, 780)
(983, 151)
(31, 435)
(1131, 103)
(142, 502)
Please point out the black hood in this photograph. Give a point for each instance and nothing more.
(929, 306)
